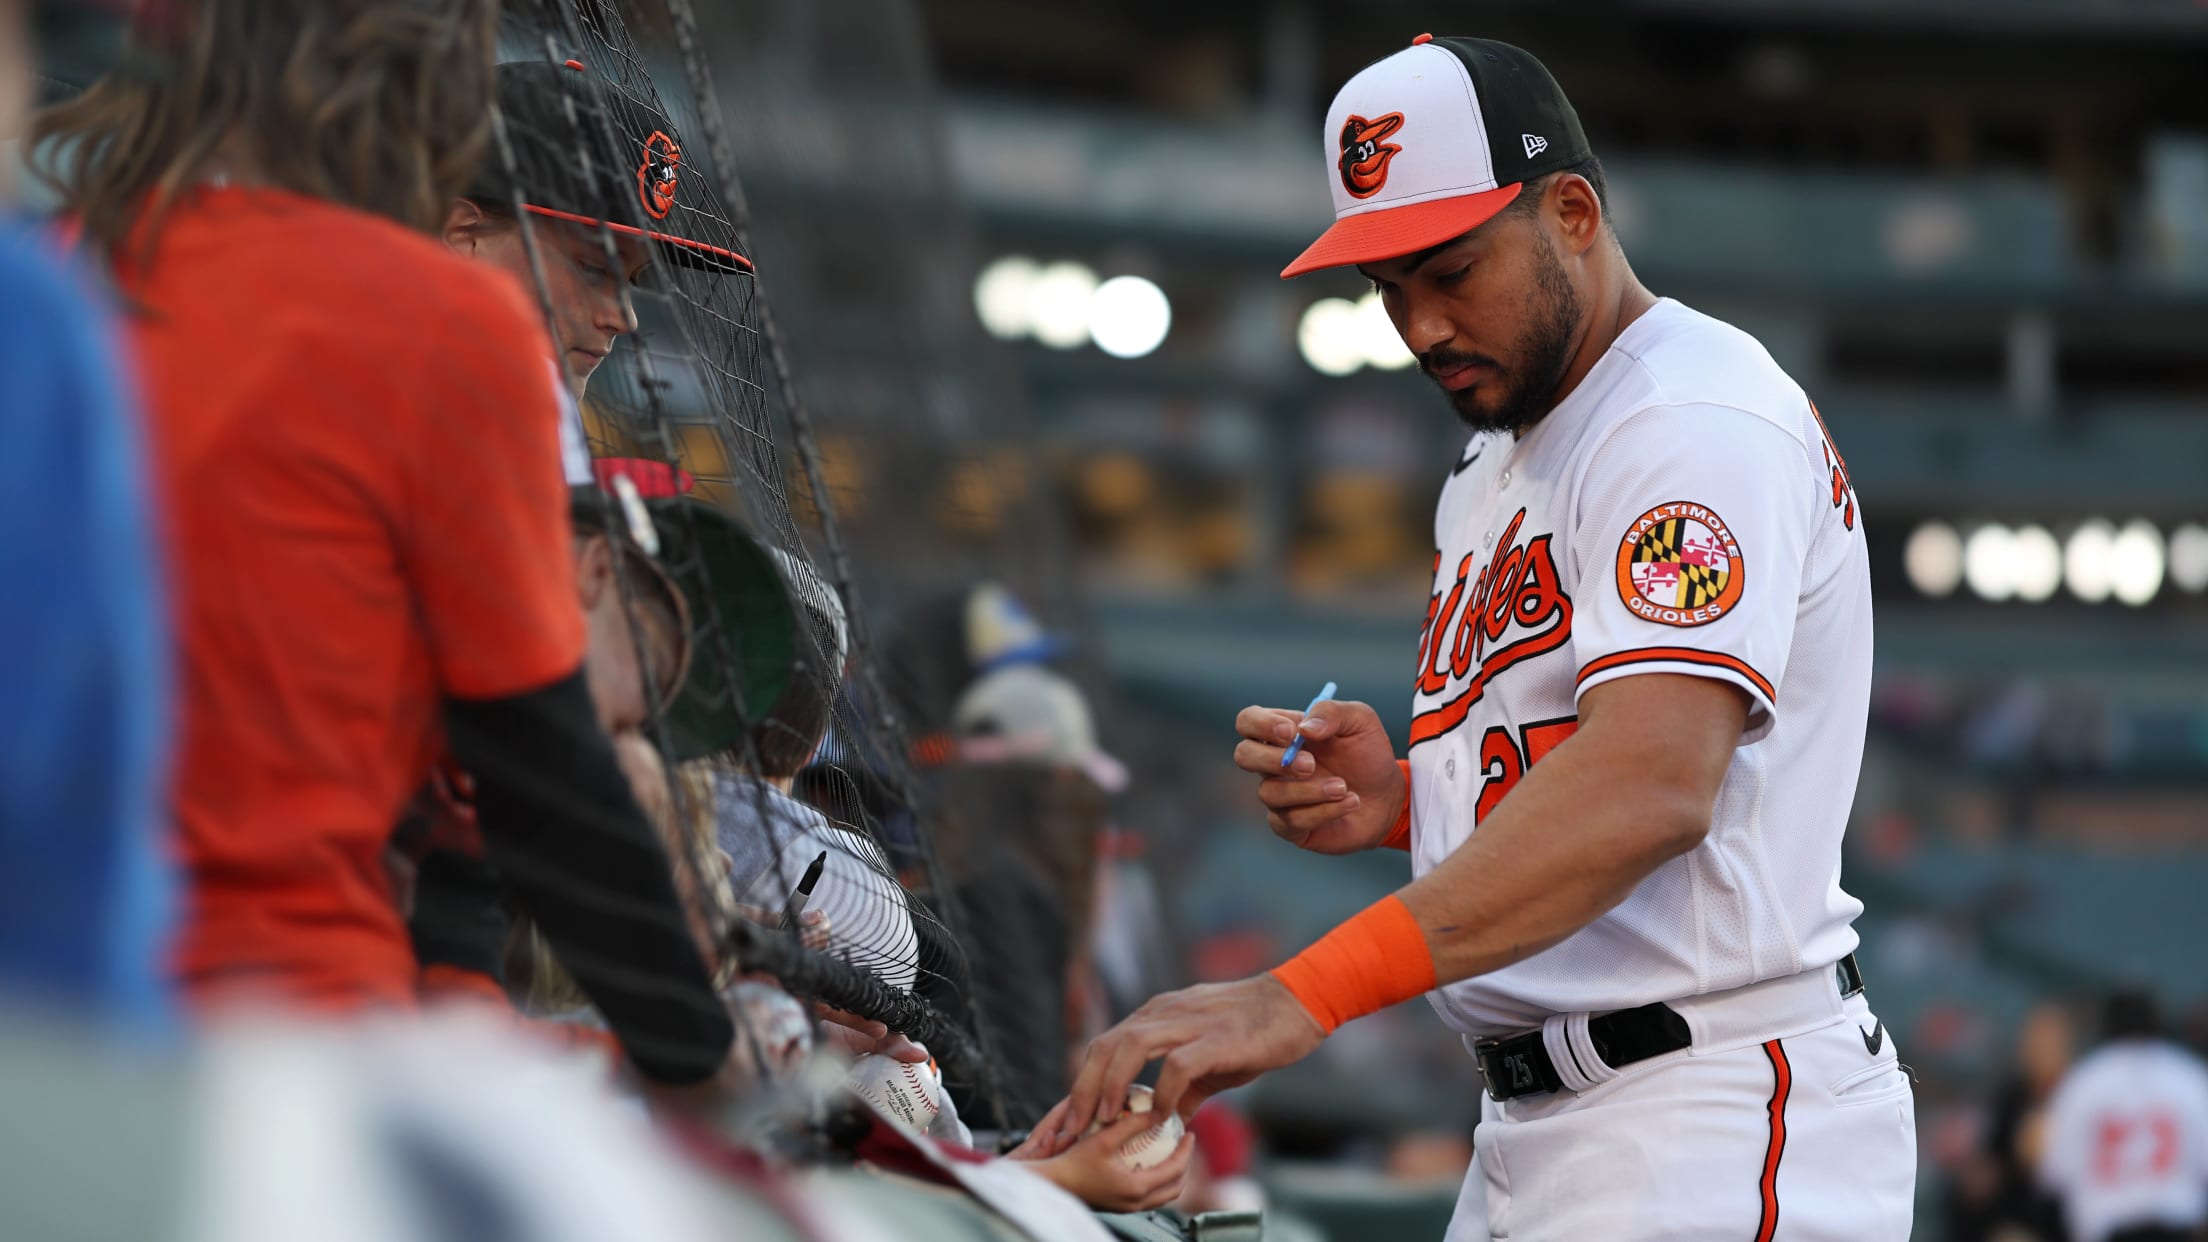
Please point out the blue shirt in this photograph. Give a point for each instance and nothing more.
(85, 896)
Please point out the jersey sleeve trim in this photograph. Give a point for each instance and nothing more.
(1679, 655)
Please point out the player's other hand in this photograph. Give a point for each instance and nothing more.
(1343, 791)
(1211, 1037)
(1091, 1169)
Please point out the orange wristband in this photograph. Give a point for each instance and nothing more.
(1399, 837)
(1373, 960)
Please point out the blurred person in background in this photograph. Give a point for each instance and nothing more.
(371, 538)
(84, 640)
(1018, 819)
(1997, 1193)
(1130, 956)
(2126, 1134)
(1013, 798)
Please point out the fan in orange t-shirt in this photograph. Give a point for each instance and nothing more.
(370, 537)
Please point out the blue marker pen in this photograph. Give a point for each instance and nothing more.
(1296, 747)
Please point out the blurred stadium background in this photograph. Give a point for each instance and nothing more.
(1024, 259)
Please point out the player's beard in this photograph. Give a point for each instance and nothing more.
(1523, 393)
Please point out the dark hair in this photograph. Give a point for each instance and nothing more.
(785, 739)
(381, 105)
(2131, 1014)
(496, 212)
(1589, 170)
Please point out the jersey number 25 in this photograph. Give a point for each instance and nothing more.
(1504, 760)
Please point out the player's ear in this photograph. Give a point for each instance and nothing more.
(1578, 211)
(464, 226)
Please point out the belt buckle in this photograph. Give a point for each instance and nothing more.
(1848, 975)
(1523, 1081)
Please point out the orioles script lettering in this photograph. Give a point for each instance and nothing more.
(1517, 595)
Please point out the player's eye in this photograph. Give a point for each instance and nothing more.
(1452, 277)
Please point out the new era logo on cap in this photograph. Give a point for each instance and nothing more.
(1429, 143)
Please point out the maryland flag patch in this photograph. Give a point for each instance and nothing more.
(1680, 565)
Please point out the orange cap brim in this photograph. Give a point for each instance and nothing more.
(1371, 236)
(728, 258)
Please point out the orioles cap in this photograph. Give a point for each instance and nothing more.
(1432, 142)
(632, 182)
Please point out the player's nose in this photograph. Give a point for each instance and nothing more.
(1424, 325)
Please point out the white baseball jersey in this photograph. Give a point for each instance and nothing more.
(1682, 511)
(2127, 1140)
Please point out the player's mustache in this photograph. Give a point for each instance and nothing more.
(1449, 359)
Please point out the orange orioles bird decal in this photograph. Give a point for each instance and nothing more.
(655, 177)
(1364, 156)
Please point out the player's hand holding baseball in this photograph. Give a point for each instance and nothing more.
(1342, 793)
(1092, 1169)
(1211, 1037)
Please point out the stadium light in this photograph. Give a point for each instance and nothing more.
(1129, 317)
(1933, 559)
(1000, 296)
(1329, 338)
(1057, 304)
(2135, 563)
(1383, 347)
(2035, 563)
(1988, 562)
(2189, 558)
(2085, 566)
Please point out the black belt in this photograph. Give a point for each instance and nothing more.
(1520, 1065)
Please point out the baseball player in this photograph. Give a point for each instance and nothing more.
(1638, 713)
(2126, 1146)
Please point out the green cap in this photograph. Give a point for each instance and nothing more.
(739, 671)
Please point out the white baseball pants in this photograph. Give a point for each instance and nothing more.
(1788, 1120)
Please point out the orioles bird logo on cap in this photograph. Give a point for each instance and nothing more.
(1365, 157)
(655, 177)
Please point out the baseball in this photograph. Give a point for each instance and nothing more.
(1153, 1146)
(899, 1090)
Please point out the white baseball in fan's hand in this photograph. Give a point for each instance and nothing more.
(900, 1090)
(1153, 1146)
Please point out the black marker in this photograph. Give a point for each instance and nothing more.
(804, 894)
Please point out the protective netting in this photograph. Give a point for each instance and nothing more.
(928, 452)
(784, 765)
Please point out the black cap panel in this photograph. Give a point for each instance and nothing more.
(1532, 129)
(582, 154)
